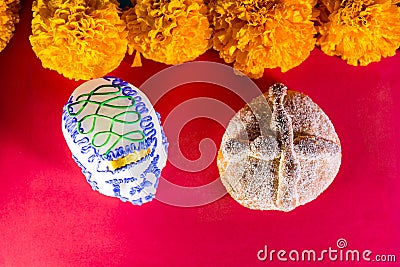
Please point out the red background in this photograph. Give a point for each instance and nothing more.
(49, 216)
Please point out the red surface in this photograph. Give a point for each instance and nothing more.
(49, 216)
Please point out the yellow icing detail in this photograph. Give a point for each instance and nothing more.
(131, 158)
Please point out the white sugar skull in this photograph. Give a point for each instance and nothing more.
(116, 137)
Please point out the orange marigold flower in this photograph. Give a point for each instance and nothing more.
(259, 34)
(359, 31)
(8, 18)
(80, 39)
(168, 31)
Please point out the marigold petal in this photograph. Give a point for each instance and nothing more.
(137, 61)
(170, 32)
(360, 31)
(79, 39)
(262, 34)
(8, 18)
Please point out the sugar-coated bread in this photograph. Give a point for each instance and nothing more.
(279, 151)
